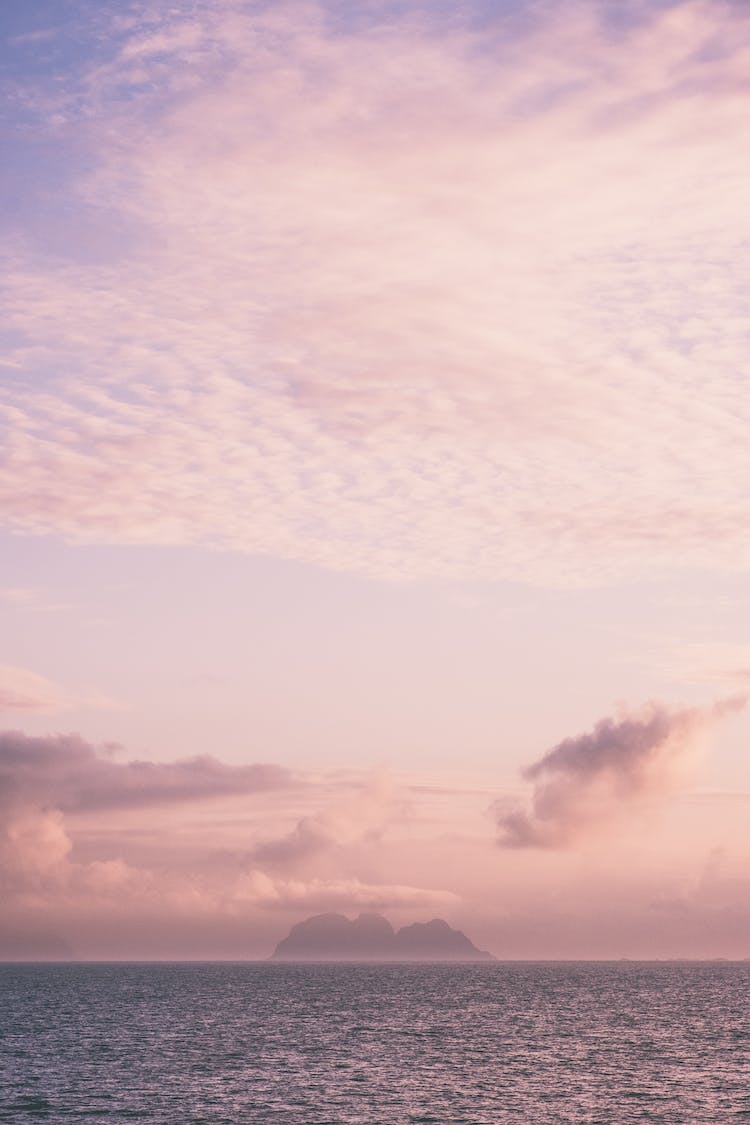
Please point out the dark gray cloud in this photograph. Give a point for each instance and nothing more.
(70, 774)
(586, 779)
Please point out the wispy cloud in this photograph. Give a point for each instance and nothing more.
(23, 690)
(338, 325)
(326, 894)
(703, 662)
(43, 35)
(362, 814)
(588, 780)
(18, 595)
(32, 599)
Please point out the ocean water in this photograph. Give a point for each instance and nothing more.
(283, 1044)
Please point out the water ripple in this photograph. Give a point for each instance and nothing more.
(280, 1044)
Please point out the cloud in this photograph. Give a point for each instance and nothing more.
(363, 814)
(74, 776)
(98, 844)
(291, 309)
(33, 842)
(309, 836)
(176, 876)
(18, 595)
(585, 781)
(61, 862)
(258, 887)
(702, 662)
(31, 598)
(43, 35)
(22, 690)
(46, 781)
(53, 863)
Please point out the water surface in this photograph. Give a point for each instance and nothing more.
(285, 1044)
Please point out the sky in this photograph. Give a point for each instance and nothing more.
(373, 474)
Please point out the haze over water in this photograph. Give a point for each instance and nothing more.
(373, 474)
(278, 1044)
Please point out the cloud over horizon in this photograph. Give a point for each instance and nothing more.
(117, 872)
(45, 780)
(72, 815)
(75, 776)
(588, 780)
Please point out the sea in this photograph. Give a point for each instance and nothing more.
(375, 1044)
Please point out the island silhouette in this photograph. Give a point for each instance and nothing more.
(371, 937)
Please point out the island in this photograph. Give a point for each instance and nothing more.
(371, 937)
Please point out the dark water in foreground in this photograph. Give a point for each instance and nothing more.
(313, 1044)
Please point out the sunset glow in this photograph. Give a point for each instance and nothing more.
(374, 478)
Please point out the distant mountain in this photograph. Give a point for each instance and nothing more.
(371, 937)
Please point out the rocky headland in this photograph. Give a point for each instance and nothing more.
(371, 937)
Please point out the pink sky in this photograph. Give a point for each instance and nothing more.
(374, 480)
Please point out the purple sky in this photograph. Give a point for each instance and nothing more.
(374, 474)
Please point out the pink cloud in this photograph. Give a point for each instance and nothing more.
(22, 690)
(362, 814)
(586, 782)
(322, 894)
(174, 871)
(76, 776)
(89, 840)
(482, 342)
(33, 841)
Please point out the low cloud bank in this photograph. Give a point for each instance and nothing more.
(74, 776)
(95, 891)
(590, 778)
(42, 779)
(258, 887)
